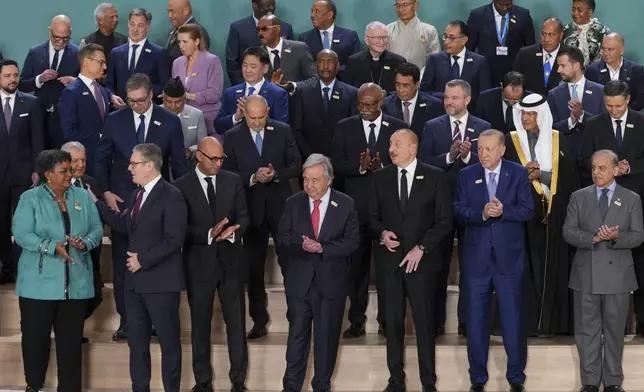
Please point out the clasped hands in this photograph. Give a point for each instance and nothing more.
(606, 233)
(218, 232)
(412, 258)
(493, 209)
(534, 170)
(311, 245)
(367, 163)
(460, 149)
(576, 110)
(265, 174)
(74, 241)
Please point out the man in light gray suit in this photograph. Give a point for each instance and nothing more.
(192, 120)
(604, 222)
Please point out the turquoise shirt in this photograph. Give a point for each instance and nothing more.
(37, 226)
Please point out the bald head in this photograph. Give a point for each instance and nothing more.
(210, 155)
(211, 146)
(60, 31)
(256, 112)
(272, 19)
(179, 11)
(370, 100)
(328, 53)
(254, 101)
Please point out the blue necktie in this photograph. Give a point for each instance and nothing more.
(491, 186)
(618, 133)
(251, 91)
(547, 68)
(54, 61)
(456, 69)
(259, 142)
(325, 42)
(574, 94)
(140, 131)
(133, 58)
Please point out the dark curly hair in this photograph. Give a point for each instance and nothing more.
(48, 159)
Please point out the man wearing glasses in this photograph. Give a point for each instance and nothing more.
(411, 38)
(82, 119)
(141, 122)
(47, 70)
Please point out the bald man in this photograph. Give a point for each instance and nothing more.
(613, 66)
(48, 69)
(180, 13)
(266, 166)
(212, 253)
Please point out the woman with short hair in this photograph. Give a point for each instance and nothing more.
(584, 32)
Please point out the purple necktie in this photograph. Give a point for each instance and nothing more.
(7, 113)
(137, 205)
(99, 99)
(406, 114)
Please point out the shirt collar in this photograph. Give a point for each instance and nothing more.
(278, 47)
(411, 168)
(257, 86)
(88, 82)
(255, 19)
(201, 176)
(463, 119)
(580, 84)
(189, 20)
(141, 43)
(461, 55)
(150, 185)
(324, 199)
(330, 86)
(611, 187)
(4, 96)
(497, 171)
(377, 121)
(553, 53)
(330, 29)
(413, 100)
(618, 68)
(623, 118)
(147, 114)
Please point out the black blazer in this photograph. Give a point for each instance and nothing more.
(313, 126)
(358, 70)
(631, 73)
(349, 142)
(20, 147)
(278, 149)
(483, 36)
(157, 237)
(599, 135)
(203, 262)
(426, 220)
(339, 237)
(427, 108)
(345, 43)
(530, 63)
(489, 107)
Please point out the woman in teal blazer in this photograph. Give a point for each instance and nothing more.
(56, 226)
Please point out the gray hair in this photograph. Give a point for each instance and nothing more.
(257, 97)
(371, 25)
(467, 89)
(494, 132)
(141, 12)
(151, 153)
(69, 146)
(619, 37)
(99, 11)
(138, 81)
(319, 159)
(610, 153)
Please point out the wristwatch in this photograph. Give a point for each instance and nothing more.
(422, 248)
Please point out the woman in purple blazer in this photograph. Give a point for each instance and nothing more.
(201, 74)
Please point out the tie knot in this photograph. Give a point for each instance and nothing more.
(208, 180)
(325, 33)
(406, 104)
(456, 58)
(372, 126)
(457, 123)
(403, 172)
(275, 52)
(142, 117)
(326, 89)
(7, 99)
(316, 203)
(492, 176)
(618, 122)
(141, 191)
(135, 46)
(605, 191)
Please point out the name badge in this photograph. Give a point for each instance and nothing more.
(385, 123)
(589, 92)
(618, 203)
(420, 177)
(422, 105)
(239, 91)
(469, 60)
(192, 127)
(85, 93)
(270, 128)
(148, 50)
(603, 70)
(630, 126)
(24, 115)
(157, 123)
(478, 181)
(387, 67)
(337, 41)
(77, 205)
(193, 74)
(501, 50)
(513, 21)
(470, 130)
(287, 50)
(539, 54)
(336, 97)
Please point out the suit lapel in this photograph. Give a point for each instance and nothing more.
(329, 217)
(305, 210)
(628, 131)
(142, 57)
(503, 181)
(337, 39)
(397, 108)
(285, 61)
(197, 69)
(467, 65)
(154, 124)
(449, 133)
(17, 110)
(45, 55)
(93, 104)
(149, 201)
(316, 41)
(613, 206)
(251, 141)
(624, 73)
(416, 182)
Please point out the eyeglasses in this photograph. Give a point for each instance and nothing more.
(101, 62)
(64, 171)
(214, 159)
(132, 101)
(451, 37)
(382, 38)
(132, 163)
(265, 28)
(403, 5)
(61, 39)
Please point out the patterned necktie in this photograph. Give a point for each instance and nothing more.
(456, 134)
(315, 217)
(404, 195)
(325, 42)
(259, 142)
(618, 133)
(325, 98)
(99, 99)
(406, 113)
(456, 69)
(7, 113)
(276, 61)
(372, 137)
(140, 131)
(54, 61)
(137, 205)
(547, 68)
(491, 186)
(133, 58)
(251, 91)
(574, 94)
(603, 203)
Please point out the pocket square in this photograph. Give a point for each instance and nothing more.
(24, 115)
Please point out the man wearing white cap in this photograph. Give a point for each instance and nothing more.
(552, 170)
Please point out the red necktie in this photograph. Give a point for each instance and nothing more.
(456, 135)
(137, 205)
(315, 217)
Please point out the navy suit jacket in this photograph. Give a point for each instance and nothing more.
(276, 97)
(20, 147)
(339, 236)
(499, 241)
(157, 237)
(631, 73)
(483, 36)
(80, 118)
(152, 62)
(489, 107)
(345, 43)
(427, 107)
(119, 138)
(241, 36)
(529, 62)
(438, 71)
(592, 102)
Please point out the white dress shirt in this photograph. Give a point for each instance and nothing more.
(330, 31)
(614, 73)
(411, 170)
(461, 60)
(12, 100)
(90, 85)
(148, 188)
(581, 84)
(52, 53)
(204, 187)
(139, 50)
(367, 129)
(623, 118)
(461, 127)
(553, 58)
(148, 118)
(498, 18)
(279, 46)
(412, 107)
(324, 204)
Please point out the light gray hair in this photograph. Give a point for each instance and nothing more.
(619, 37)
(99, 11)
(319, 159)
(494, 132)
(371, 25)
(150, 152)
(467, 89)
(610, 153)
(69, 146)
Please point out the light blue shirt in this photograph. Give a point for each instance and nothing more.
(497, 171)
(611, 190)
(330, 86)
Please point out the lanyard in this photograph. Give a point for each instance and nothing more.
(501, 35)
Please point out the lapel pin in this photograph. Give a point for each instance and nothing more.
(270, 128)
(193, 74)
(24, 114)
(589, 92)
(148, 50)
(561, 152)
(186, 116)
(513, 21)
(420, 177)
(470, 130)
(158, 124)
(539, 54)
(422, 105)
(469, 60)
(387, 67)
(85, 93)
(422, 38)
(336, 41)
(334, 204)
(385, 123)
(473, 140)
(77, 206)
(287, 50)
(239, 91)
(192, 127)
(630, 126)
(618, 203)
(603, 70)
(478, 181)
(628, 78)
(336, 97)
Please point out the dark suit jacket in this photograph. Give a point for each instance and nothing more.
(278, 149)
(152, 62)
(349, 142)
(210, 263)
(345, 43)
(20, 147)
(438, 71)
(296, 63)
(241, 36)
(339, 237)
(505, 236)
(592, 102)
(314, 127)
(529, 62)
(119, 138)
(157, 237)
(427, 108)
(276, 97)
(108, 43)
(80, 118)
(172, 49)
(425, 221)
(599, 135)
(631, 73)
(489, 107)
(358, 70)
(483, 36)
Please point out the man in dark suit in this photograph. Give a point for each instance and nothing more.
(493, 202)
(318, 232)
(22, 138)
(264, 154)
(499, 30)
(326, 35)
(456, 62)
(179, 14)
(156, 226)
(576, 100)
(497, 105)
(255, 65)
(243, 34)
(613, 66)
(375, 64)
(410, 213)
(450, 142)
(139, 55)
(360, 147)
(47, 70)
(107, 18)
(538, 63)
(410, 104)
(213, 257)
(141, 122)
(319, 107)
(85, 104)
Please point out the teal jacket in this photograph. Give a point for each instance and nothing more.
(37, 226)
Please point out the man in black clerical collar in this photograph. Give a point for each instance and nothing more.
(107, 18)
